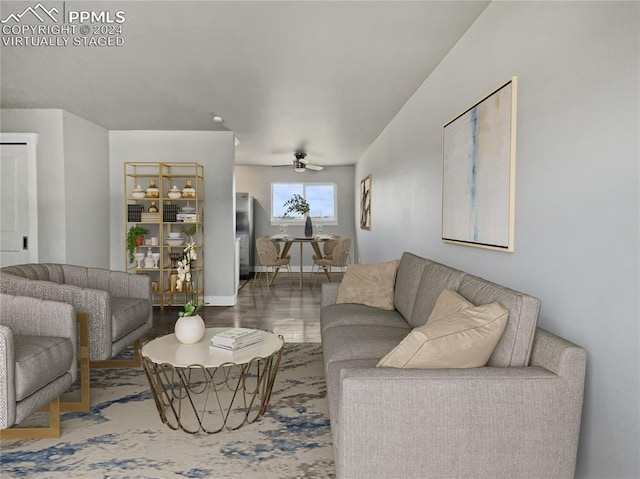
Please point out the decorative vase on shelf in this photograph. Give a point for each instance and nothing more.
(308, 227)
(152, 190)
(175, 193)
(148, 259)
(188, 191)
(138, 192)
(189, 329)
(139, 258)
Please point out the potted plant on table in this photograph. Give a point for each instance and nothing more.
(189, 328)
(299, 205)
(134, 239)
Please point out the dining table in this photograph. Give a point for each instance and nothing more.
(301, 240)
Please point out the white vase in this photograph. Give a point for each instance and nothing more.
(189, 329)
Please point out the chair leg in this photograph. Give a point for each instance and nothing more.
(52, 431)
(274, 274)
(256, 278)
(121, 363)
(84, 404)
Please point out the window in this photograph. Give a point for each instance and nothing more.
(320, 196)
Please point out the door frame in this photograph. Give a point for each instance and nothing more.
(30, 140)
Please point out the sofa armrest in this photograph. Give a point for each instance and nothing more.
(481, 423)
(7, 381)
(329, 294)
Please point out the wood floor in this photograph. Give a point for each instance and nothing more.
(281, 308)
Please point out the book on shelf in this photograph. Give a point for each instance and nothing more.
(134, 213)
(169, 213)
(187, 217)
(236, 336)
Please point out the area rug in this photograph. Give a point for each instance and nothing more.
(122, 436)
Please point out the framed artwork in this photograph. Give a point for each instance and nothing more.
(478, 172)
(365, 203)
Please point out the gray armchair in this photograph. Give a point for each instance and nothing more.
(37, 362)
(117, 305)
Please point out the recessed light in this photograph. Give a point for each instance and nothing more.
(217, 118)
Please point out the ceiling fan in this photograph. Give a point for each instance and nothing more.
(300, 164)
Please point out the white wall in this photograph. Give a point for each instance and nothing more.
(72, 192)
(577, 195)
(86, 157)
(257, 180)
(215, 151)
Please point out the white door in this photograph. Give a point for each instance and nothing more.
(18, 221)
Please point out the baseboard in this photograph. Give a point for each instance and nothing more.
(294, 269)
(221, 300)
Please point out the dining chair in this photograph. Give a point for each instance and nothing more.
(338, 258)
(327, 248)
(269, 257)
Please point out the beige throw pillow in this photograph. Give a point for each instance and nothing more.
(460, 339)
(370, 284)
(449, 301)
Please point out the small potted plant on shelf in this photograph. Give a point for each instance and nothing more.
(134, 233)
(188, 231)
(299, 205)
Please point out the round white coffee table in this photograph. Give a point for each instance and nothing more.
(201, 389)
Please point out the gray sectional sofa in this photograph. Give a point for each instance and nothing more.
(518, 417)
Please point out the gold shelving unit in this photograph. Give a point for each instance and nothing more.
(174, 213)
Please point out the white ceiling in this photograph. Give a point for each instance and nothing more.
(326, 76)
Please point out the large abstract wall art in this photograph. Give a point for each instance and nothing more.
(478, 177)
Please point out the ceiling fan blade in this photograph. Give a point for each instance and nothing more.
(314, 167)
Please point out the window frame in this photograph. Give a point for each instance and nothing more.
(301, 221)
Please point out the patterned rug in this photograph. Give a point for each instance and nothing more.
(122, 436)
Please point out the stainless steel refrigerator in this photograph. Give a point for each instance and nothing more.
(245, 231)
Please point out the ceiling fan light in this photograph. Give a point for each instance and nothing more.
(298, 166)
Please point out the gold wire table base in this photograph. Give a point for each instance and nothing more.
(210, 399)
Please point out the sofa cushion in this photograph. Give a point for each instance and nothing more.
(127, 315)
(39, 360)
(460, 339)
(357, 342)
(435, 279)
(514, 347)
(408, 280)
(359, 314)
(371, 284)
